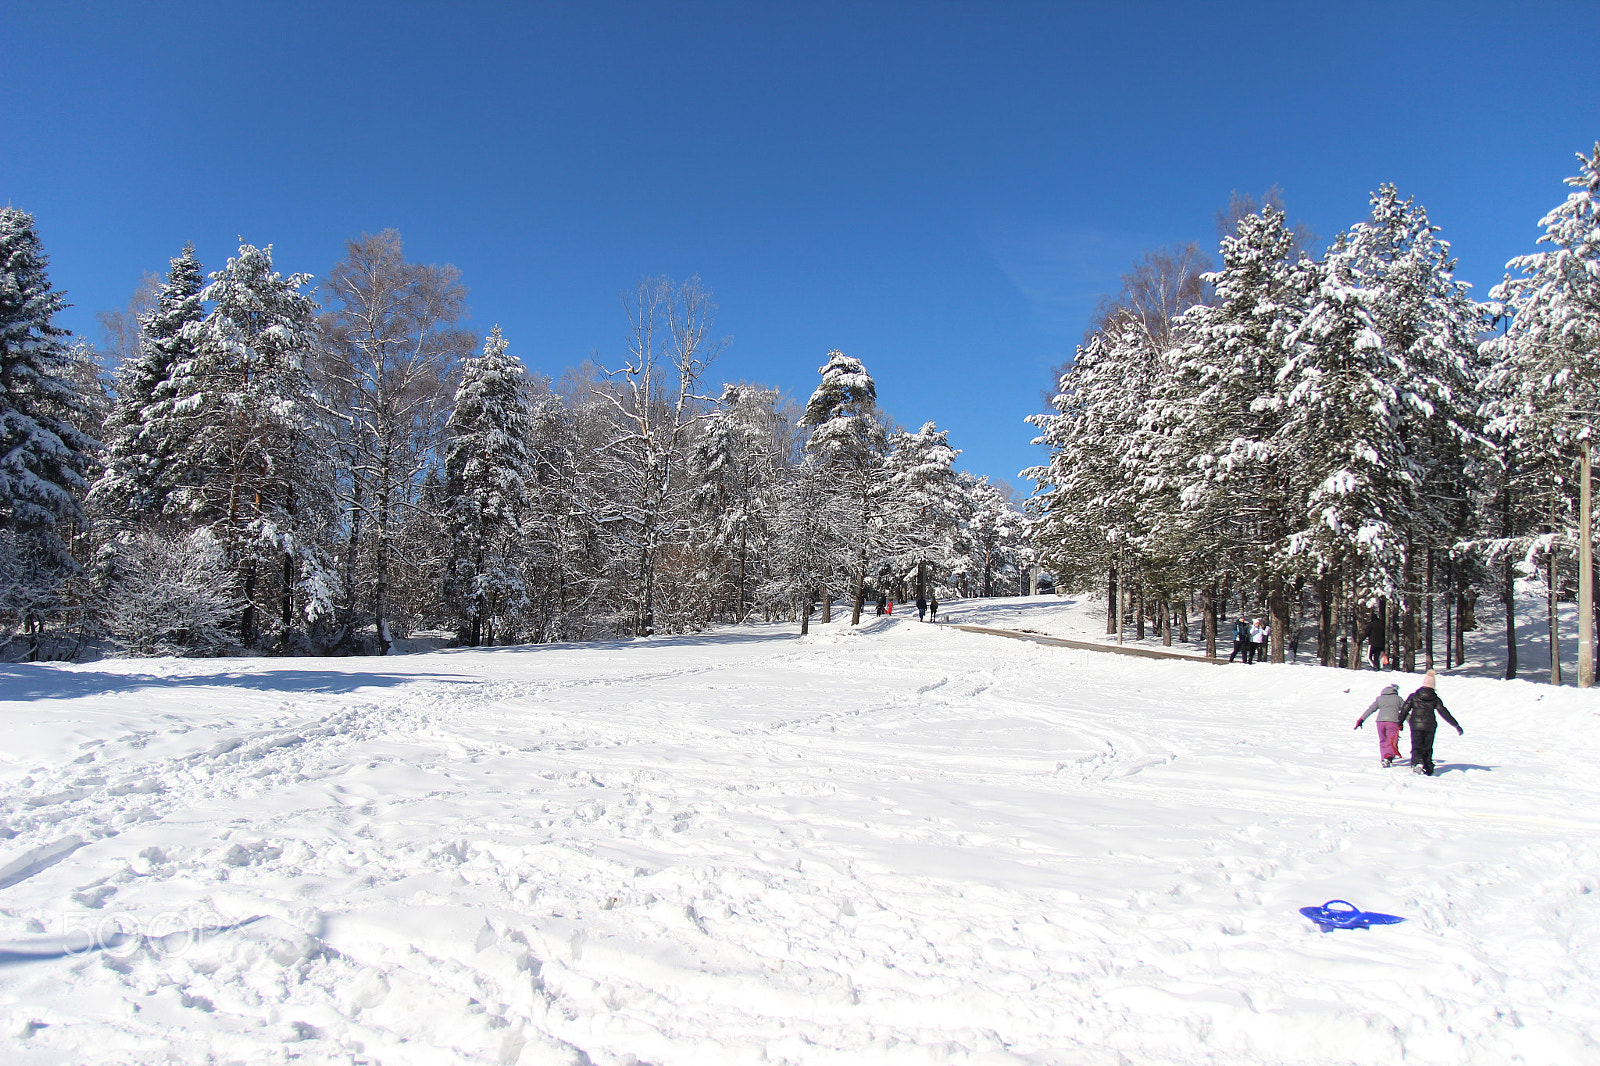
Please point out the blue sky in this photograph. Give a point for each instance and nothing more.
(942, 190)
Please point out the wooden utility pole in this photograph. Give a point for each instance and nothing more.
(1585, 578)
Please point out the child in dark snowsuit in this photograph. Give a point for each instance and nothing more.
(1387, 705)
(1419, 709)
(1241, 640)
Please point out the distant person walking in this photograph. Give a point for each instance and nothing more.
(922, 608)
(933, 609)
(1420, 709)
(1241, 640)
(1378, 641)
(1387, 706)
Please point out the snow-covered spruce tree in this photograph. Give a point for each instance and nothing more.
(1140, 325)
(1227, 440)
(1381, 414)
(993, 541)
(173, 594)
(743, 450)
(1545, 376)
(1354, 482)
(45, 454)
(390, 347)
(849, 440)
(566, 572)
(1091, 507)
(925, 506)
(144, 430)
(811, 540)
(256, 468)
(488, 480)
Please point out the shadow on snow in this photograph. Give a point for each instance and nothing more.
(25, 681)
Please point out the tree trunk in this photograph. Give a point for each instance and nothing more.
(1278, 606)
(1508, 590)
(286, 607)
(1449, 612)
(380, 576)
(1427, 642)
(1166, 623)
(1555, 628)
(1408, 618)
(1113, 623)
(1585, 577)
(1208, 605)
(646, 624)
(247, 621)
(1325, 626)
(742, 613)
(1138, 605)
(1353, 609)
(1509, 602)
(352, 550)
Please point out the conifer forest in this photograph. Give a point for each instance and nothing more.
(1347, 444)
(278, 468)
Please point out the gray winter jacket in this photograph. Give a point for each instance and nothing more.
(1387, 705)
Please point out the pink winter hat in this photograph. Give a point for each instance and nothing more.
(1428, 680)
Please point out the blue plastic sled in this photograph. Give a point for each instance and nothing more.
(1342, 914)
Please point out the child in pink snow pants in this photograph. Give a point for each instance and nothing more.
(1387, 705)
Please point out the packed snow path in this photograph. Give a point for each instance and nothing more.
(899, 844)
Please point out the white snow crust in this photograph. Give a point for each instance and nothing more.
(901, 844)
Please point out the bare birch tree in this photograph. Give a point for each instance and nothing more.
(655, 406)
(389, 354)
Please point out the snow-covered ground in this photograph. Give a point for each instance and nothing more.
(899, 844)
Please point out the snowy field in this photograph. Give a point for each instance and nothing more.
(903, 844)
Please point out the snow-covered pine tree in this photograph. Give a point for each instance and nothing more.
(1091, 506)
(1430, 323)
(45, 454)
(1545, 375)
(565, 567)
(144, 430)
(489, 475)
(850, 441)
(810, 542)
(925, 503)
(1236, 474)
(256, 467)
(994, 541)
(1346, 401)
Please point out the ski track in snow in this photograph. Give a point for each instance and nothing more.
(903, 844)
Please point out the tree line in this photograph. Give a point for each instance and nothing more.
(269, 469)
(1347, 443)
